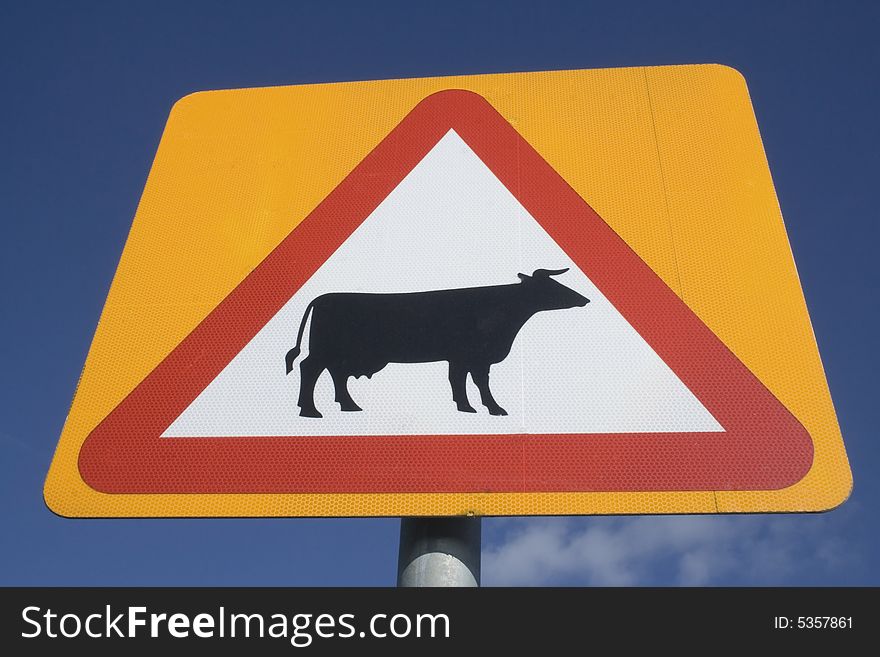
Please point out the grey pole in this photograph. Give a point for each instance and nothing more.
(439, 552)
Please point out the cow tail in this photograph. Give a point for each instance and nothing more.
(293, 353)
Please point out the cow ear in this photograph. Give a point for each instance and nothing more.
(524, 277)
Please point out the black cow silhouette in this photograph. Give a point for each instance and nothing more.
(357, 334)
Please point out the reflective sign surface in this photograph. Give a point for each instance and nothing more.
(542, 293)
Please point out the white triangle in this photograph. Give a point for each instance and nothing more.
(450, 224)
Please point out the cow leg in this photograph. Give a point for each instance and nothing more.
(458, 381)
(310, 370)
(340, 382)
(481, 378)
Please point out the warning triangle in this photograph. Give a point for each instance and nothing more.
(630, 392)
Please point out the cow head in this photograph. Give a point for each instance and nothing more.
(549, 294)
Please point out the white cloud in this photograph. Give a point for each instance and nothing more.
(664, 550)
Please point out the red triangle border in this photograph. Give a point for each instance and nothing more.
(763, 446)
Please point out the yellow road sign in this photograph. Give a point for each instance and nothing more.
(654, 355)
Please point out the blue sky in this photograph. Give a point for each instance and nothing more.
(87, 87)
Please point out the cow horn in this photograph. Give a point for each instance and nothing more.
(546, 273)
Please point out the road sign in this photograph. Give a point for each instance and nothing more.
(543, 293)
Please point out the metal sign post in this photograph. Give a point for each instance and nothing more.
(439, 552)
